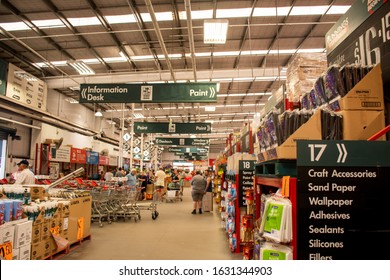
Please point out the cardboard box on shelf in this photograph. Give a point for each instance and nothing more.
(45, 230)
(41, 250)
(36, 251)
(79, 208)
(46, 250)
(36, 234)
(23, 234)
(41, 217)
(311, 130)
(367, 94)
(25, 252)
(15, 254)
(361, 125)
(7, 233)
(37, 192)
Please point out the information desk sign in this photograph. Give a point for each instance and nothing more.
(342, 212)
(246, 173)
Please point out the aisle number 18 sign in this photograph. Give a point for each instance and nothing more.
(245, 178)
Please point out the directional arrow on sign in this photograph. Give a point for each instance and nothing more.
(342, 153)
(126, 147)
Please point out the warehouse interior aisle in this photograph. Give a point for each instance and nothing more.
(175, 235)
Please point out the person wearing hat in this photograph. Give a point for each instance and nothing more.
(25, 176)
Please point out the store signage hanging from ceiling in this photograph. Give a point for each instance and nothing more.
(148, 93)
(165, 127)
(188, 150)
(25, 88)
(182, 141)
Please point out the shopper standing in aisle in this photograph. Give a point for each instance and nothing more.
(207, 177)
(198, 184)
(144, 182)
(159, 182)
(132, 178)
(119, 174)
(25, 175)
(108, 176)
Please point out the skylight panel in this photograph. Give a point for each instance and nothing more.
(48, 23)
(129, 18)
(338, 10)
(308, 10)
(201, 14)
(270, 12)
(84, 21)
(14, 26)
(233, 13)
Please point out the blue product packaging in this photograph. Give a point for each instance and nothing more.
(8, 204)
(2, 212)
(17, 212)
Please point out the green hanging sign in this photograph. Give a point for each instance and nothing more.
(182, 141)
(188, 150)
(165, 127)
(148, 93)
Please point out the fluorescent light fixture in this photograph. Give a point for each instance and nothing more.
(74, 88)
(234, 13)
(138, 116)
(24, 75)
(215, 31)
(209, 121)
(98, 113)
(111, 122)
(209, 108)
(193, 136)
(81, 67)
(71, 100)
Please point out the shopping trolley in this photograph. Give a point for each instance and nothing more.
(101, 209)
(174, 192)
(150, 205)
(128, 208)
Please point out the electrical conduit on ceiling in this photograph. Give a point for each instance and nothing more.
(58, 122)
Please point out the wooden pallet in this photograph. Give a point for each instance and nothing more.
(276, 168)
(57, 255)
(77, 243)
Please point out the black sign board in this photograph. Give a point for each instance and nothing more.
(246, 173)
(368, 44)
(341, 209)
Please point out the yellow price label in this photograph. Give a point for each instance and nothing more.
(6, 251)
(55, 230)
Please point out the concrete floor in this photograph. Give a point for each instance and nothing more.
(175, 235)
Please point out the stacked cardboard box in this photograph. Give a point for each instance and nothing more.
(302, 72)
(18, 234)
(363, 107)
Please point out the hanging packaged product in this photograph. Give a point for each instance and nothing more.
(276, 224)
(333, 83)
(271, 251)
(319, 92)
